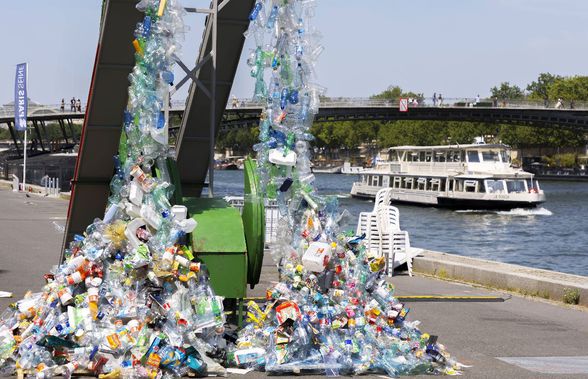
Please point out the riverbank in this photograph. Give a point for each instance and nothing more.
(545, 284)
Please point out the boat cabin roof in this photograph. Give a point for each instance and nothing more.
(450, 147)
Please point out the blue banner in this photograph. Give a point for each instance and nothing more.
(20, 97)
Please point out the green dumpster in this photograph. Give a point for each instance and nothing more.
(219, 242)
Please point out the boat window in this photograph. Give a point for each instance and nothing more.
(422, 156)
(435, 184)
(473, 156)
(494, 186)
(408, 183)
(470, 185)
(532, 185)
(428, 156)
(397, 182)
(422, 184)
(516, 186)
(439, 156)
(505, 157)
(490, 156)
(376, 180)
(455, 156)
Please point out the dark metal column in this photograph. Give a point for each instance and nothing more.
(107, 100)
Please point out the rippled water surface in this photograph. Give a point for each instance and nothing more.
(554, 236)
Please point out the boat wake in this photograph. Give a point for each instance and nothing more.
(513, 212)
(527, 212)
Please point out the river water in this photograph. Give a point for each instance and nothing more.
(553, 237)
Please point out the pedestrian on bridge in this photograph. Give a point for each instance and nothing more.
(72, 104)
(62, 105)
(440, 100)
(435, 99)
(79, 105)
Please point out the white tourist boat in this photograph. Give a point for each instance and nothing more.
(475, 176)
(351, 170)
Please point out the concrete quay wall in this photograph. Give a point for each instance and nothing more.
(528, 281)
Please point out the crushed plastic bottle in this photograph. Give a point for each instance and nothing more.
(129, 300)
(331, 312)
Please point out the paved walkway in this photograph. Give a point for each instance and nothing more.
(495, 338)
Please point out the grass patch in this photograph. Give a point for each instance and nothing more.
(571, 296)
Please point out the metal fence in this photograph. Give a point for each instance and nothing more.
(53, 176)
(271, 215)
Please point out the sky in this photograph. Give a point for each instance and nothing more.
(459, 48)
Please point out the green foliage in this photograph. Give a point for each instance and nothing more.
(571, 296)
(540, 89)
(570, 88)
(395, 92)
(567, 160)
(240, 140)
(4, 134)
(506, 91)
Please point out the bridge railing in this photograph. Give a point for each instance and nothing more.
(453, 102)
(346, 102)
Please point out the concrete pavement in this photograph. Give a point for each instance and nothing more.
(476, 334)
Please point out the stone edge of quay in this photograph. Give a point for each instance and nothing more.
(524, 280)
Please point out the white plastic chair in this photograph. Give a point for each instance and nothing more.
(383, 235)
(382, 198)
(400, 253)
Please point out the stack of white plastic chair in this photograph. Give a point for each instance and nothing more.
(383, 234)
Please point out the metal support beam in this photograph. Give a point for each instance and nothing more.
(63, 131)
(191, 74)
(44, 130)
(14, 138)
(213, 99)
(73, 134)
(223, 43)
(39, 137)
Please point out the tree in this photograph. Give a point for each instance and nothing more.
(391, 93)
(506, 91)
(570, 88)
(395, 92)
(540, 89)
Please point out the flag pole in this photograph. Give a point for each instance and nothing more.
(24, 167)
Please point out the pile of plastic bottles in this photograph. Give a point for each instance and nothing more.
(331, 310)
(128, 301)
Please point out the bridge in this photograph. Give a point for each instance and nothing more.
(516, 112)
(246, 114)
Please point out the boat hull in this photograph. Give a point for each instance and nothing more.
(462, 204)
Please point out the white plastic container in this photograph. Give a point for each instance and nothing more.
(276, 156)
(132, 209)
(135, 193)
(317, 256)
(180, 212)
(188, 225)
(151, 216)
